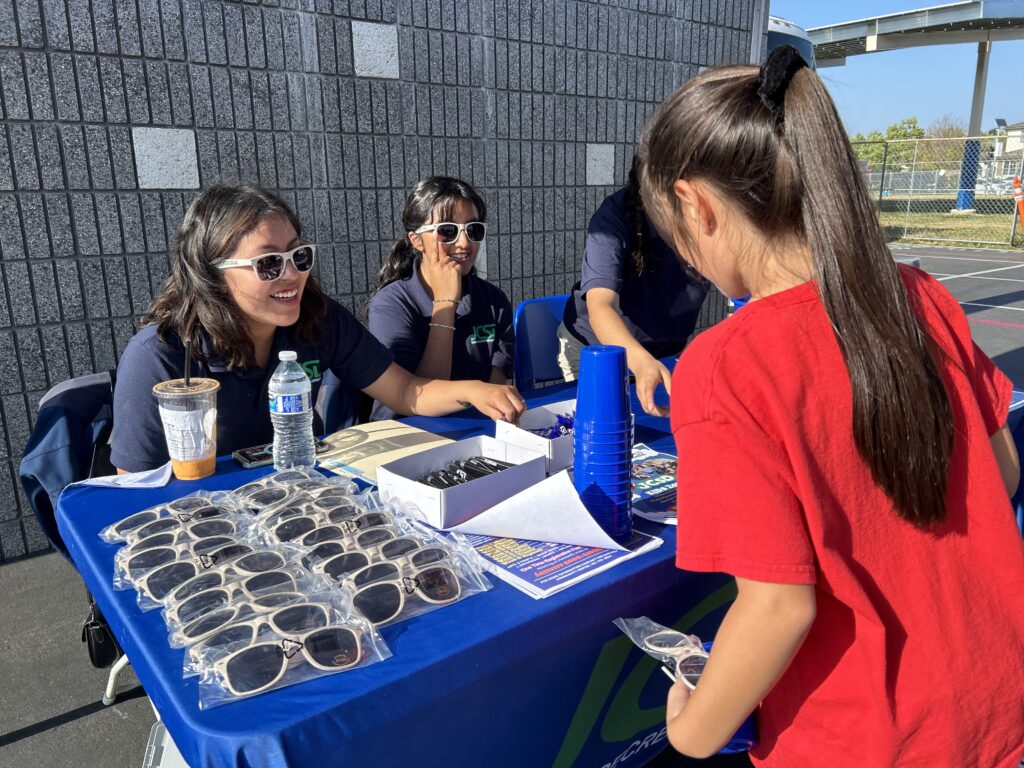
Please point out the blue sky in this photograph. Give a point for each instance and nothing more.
(875, 90)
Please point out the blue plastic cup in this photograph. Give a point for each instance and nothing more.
(614, 462)
(604, 453)
(602, 426)
(602, 395)
(613, 512)
(610, 473)
(607, 476)
(609, 437)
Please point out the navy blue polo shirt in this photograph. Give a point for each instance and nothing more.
(343, 346)
(659, 306)
(400, 315)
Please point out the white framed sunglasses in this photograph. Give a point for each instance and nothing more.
(270, 266)
(448, 231)
(260, 666)
(681, 656)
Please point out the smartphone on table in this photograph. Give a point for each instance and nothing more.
(263, 455)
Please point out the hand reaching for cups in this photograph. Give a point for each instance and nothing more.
(649, 373)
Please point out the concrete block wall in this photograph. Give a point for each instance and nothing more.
(114, 112)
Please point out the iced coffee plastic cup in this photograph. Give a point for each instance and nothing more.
(189, 415)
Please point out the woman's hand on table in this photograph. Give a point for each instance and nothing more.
(501, 402)
(649, 373)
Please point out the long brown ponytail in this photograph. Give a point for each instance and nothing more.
(792, 173)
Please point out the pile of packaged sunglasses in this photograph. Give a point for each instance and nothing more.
(564, 425)
(285, 579)
(462, 471)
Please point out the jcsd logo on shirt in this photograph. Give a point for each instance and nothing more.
(483, 333)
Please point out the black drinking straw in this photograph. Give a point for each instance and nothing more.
(188, 360)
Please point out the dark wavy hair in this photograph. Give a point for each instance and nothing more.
(441, 193)
(195, 297)
(793, 175)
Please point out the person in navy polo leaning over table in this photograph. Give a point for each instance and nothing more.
(634, 292)
(241, 290)
(430, 308)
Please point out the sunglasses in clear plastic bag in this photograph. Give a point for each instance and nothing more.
(379, 590)
(333, 560)
(138, 563)
(208, 600)
(687, 659)
(260, 666)
(177, 565)
(258, 498)
(254, 562)
(167, 531)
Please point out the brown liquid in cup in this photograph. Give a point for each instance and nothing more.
(194, 470)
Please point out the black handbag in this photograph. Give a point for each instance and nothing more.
(96, 634)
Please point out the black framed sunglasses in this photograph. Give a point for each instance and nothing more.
(448, 232)
(270, 266)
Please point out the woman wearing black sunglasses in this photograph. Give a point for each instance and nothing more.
(241, 290)
(430, 308)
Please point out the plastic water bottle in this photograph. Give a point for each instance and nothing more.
(291, 412)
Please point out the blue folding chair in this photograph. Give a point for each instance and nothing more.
(535, 322)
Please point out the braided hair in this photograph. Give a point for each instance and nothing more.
(637, 219)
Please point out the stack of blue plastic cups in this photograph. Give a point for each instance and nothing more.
(603, 439)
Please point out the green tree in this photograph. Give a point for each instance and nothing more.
(902, 147)
(896, 137)
(870, 149)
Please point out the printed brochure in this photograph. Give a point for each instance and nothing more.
(654, 485)
(542, 568)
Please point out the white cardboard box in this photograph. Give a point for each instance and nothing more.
(445, 507)
(558, 450)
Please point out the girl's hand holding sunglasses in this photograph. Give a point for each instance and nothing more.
(682, 655)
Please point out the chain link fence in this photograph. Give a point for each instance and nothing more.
(956, 191)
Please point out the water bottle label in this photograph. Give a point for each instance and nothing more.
(300, 403)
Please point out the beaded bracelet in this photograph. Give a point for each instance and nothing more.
(442, 325)
(445, 301)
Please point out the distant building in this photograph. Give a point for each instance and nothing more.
(1009, 148)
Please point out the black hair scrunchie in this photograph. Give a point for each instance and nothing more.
(776, 72)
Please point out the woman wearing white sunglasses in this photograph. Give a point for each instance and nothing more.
(430, 308)
(241, 289)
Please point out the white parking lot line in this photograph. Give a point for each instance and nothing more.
(990, 306)
(982, 272)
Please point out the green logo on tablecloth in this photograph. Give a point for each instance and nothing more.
(624, 721)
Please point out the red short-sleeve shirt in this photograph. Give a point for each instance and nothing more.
(916, 656)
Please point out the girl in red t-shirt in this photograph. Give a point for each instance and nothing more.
(842, 452)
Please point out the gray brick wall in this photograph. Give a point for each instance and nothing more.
(340, 106)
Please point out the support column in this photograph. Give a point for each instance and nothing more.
(972, 148)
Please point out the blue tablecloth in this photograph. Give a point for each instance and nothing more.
(498, 679)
